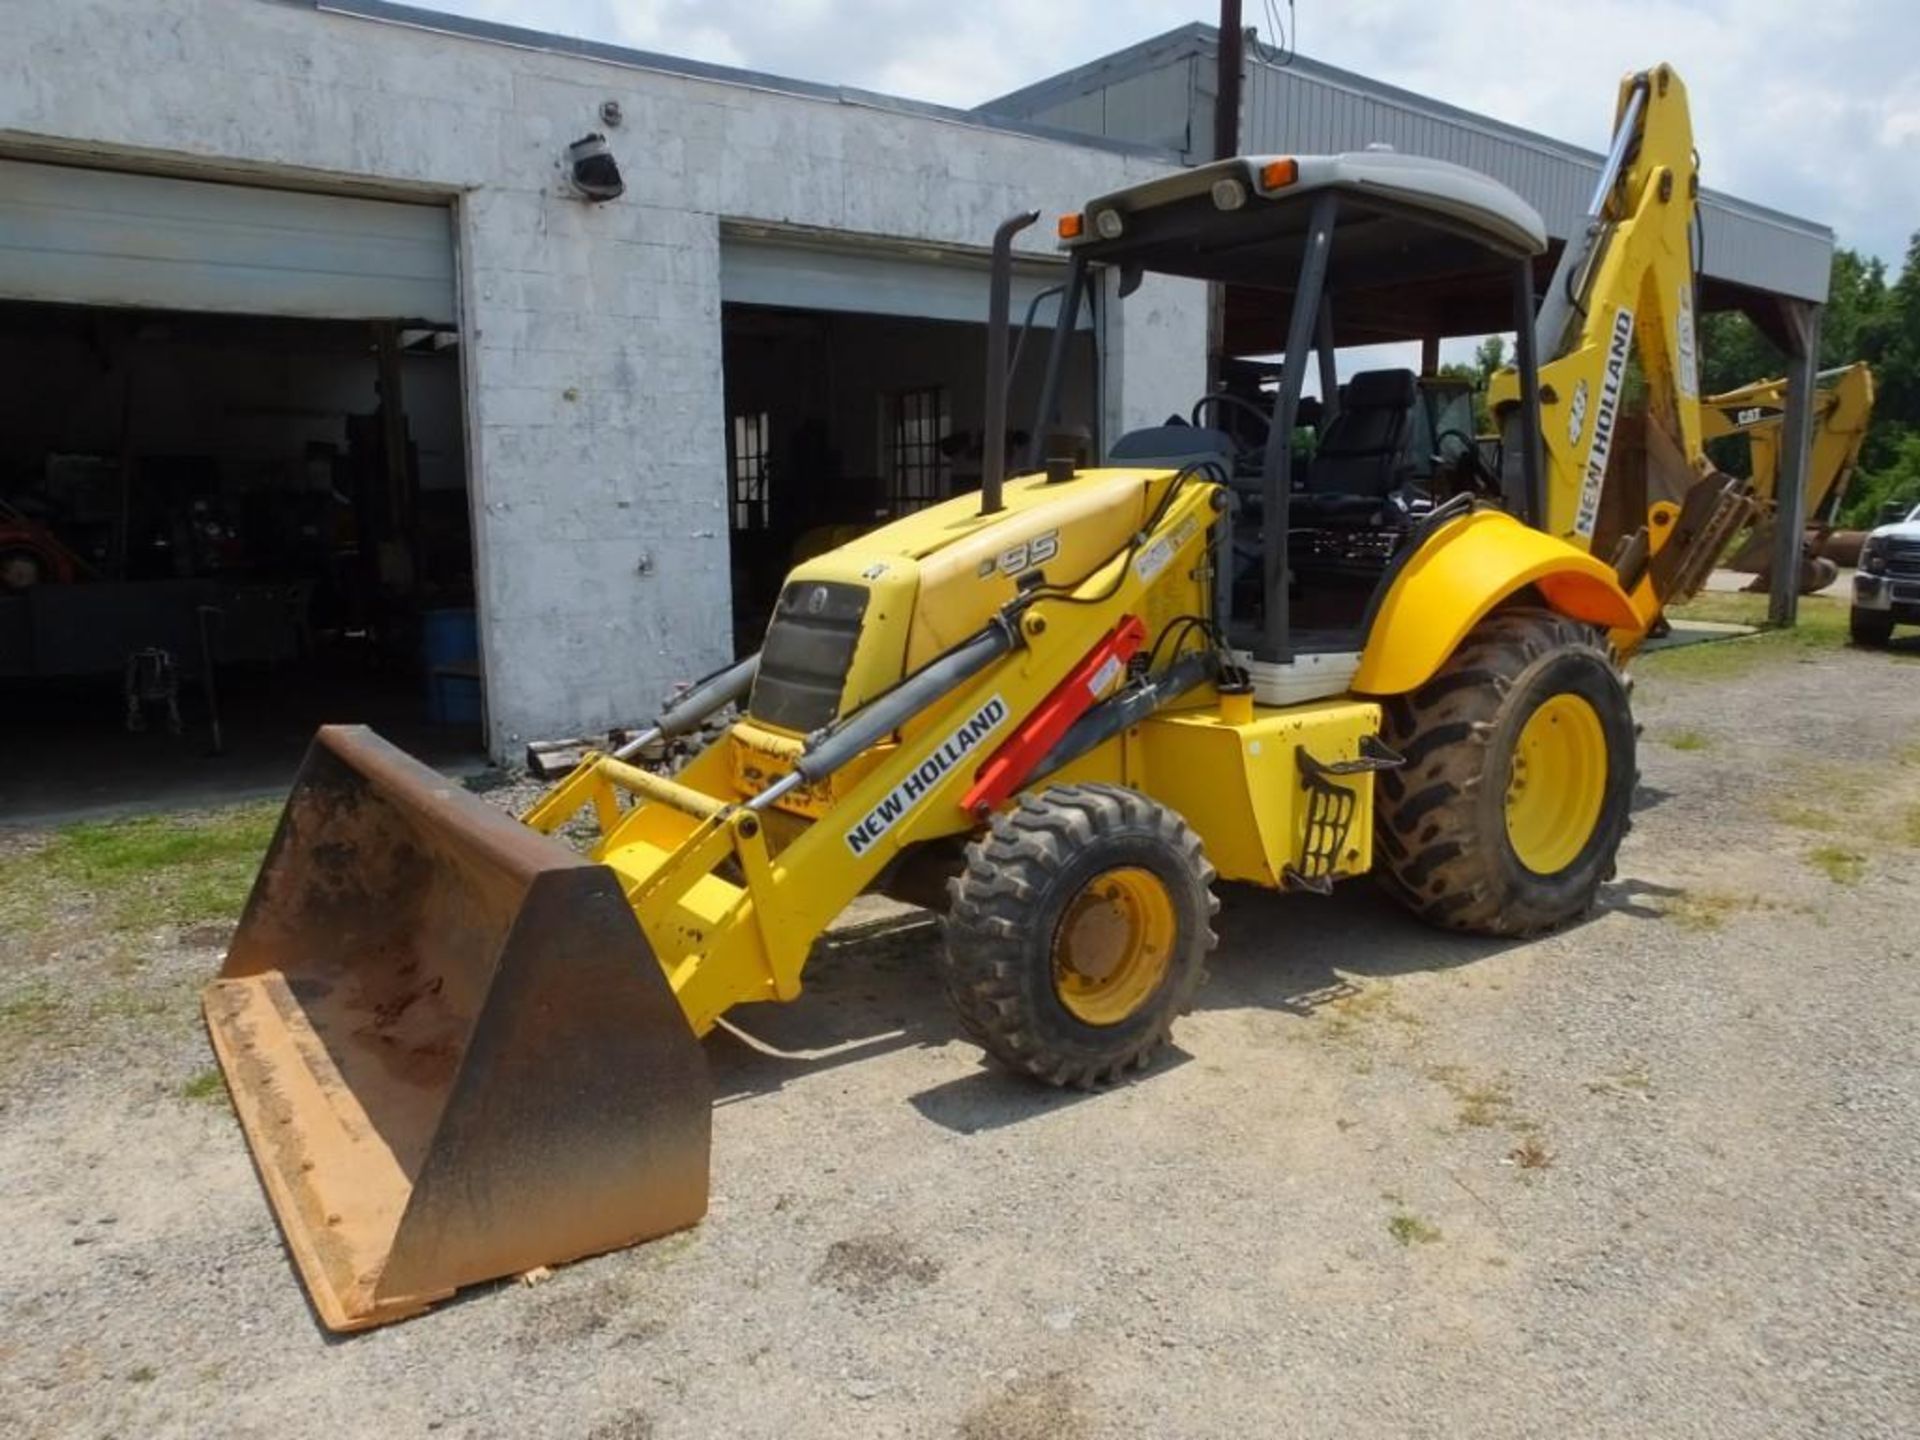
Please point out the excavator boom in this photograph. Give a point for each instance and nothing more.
(1618, 318)
(1842, 409)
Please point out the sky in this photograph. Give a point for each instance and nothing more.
(1810, 106)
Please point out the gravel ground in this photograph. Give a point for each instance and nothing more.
(1654, 1175)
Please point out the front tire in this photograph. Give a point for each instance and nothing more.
(1078, 933)
(1518, 780)
(1870, 629)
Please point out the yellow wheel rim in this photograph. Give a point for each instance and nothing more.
(1558, 784)
(1114, 945)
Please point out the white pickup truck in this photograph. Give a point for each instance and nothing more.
(1886, 587)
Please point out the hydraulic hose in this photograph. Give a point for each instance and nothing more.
(920, 691)
(713, 693)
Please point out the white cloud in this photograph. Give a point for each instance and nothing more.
(1807, 108)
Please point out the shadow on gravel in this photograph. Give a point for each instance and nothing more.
(868, 993)
(990, 1098)
(1297, 953)
(877, 991)
(1648, 797)
(1623, 897)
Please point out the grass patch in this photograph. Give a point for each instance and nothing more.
(1633, 1081)
(29, 1009)
(1822, 626)
(1839, 864)
(156, 870)
(1705, 910)
(1687, 740)
(1412, 1230)
(206, 1087)
(1478, 1104)
(1346, 1014)
(1804, 817)
(1701, 911)
(128, 1004)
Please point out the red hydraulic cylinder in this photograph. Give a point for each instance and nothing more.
(1091, 679)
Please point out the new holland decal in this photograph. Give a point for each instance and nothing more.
(929, 773)
(1605, 418)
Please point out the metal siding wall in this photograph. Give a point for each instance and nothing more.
(1154, 107)
(103, 237)
(1288, 109)
(1084, 114)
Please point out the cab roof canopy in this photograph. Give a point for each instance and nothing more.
(1420, 247)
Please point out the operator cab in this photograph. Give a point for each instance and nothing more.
(1322, 254)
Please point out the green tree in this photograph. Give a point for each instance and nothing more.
(1882, 322)
(1857, 294)
(1866, 318)
(1733, 352)
(1488, 356)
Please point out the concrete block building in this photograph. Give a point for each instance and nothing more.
(326, 378)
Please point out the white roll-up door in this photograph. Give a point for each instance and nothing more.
(876, 281)
(105, 237)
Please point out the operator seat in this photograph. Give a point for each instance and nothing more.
(1359, 459)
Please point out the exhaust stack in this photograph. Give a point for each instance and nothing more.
(993, 455)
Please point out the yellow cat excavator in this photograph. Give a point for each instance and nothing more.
(460, 1047)
(1842, 410)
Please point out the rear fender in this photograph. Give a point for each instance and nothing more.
(1461, 572)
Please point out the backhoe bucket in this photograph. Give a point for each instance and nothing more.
(450, 1045)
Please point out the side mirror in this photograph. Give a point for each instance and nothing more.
(1892, 512)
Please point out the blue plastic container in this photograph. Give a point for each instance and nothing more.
(454, 699)
(450, 658)
(448, 637)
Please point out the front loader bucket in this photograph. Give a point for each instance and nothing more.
(449, 1043)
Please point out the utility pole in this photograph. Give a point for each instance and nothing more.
(1226, 100)
(1229, 59)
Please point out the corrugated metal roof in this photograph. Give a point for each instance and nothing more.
(1161, 92)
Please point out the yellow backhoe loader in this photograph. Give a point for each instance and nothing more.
(460, 1047)
(1842, 410)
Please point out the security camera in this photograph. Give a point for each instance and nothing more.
(595, 173)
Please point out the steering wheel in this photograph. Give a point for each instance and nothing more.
(1232, 402)
(1243, 455)
(1467, 459)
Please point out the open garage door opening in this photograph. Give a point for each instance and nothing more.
(216, 532)
(837, 423)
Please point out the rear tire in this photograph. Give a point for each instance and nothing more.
(1870, 629)
(1519, 778)
(1078, 933)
